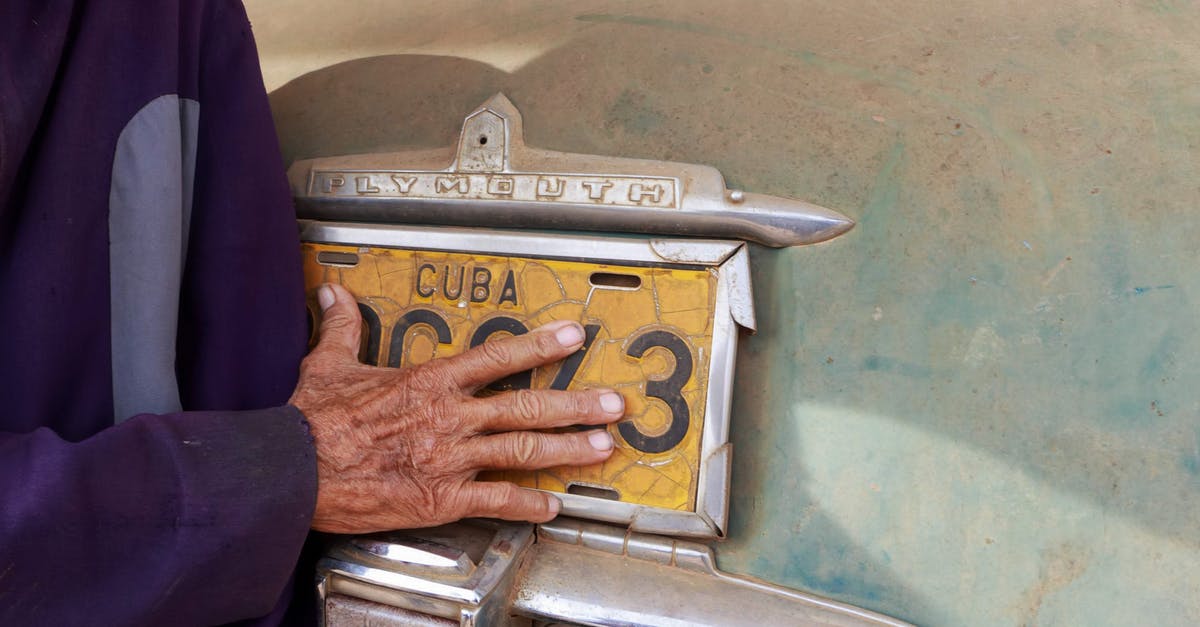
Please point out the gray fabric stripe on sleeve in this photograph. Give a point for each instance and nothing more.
(149, 206)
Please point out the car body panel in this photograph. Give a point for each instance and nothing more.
(979, 406)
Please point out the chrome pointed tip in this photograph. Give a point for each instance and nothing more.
(814, 227)
(788, 222)
(838, 225)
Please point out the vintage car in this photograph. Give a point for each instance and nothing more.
(972, 408)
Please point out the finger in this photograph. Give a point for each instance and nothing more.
(341, 323)
(531, 450)
(527, 409)
(498, 358)
(500, 499)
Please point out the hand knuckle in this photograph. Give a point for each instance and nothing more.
(528, 406)
(497, 352)
(505, 496)
(427, 504)
(426, 378)
(338, 323)
(547, 345)
(457, 503)
(442, 409)
(583, 405)
(425, 453)
(526, 449)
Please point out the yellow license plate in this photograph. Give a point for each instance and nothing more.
(649, 336)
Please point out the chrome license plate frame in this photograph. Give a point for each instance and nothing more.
(732, 307)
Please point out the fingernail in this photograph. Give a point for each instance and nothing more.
(569, 335)
(325, 297)
(600, 440)
(555, 505)
(612, 403)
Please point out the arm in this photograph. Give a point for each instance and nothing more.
(161, 517)
(194, 516)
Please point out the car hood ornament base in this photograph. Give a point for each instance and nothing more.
(491, 178)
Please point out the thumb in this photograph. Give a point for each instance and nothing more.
(341, 323)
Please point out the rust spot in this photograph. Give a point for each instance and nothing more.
(1060, 567)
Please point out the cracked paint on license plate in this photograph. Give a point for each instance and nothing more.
(649, 336)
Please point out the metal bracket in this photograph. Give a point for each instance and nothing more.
(491, 178)
(462, 572)
(576, 573)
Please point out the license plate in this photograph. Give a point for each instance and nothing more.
(659, 330)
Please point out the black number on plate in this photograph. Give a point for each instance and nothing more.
(571, 364)
(409, 320)
(370, 351)
(666, 390)
(566, 373)
(518, 381)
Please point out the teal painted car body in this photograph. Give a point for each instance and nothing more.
(980, 406)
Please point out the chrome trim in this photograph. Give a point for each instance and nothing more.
(571, 572)
(741, 290)
(477, 598)
(416, 552)
(491, 178)
(593, 574)
(501, 242)
(694, 251)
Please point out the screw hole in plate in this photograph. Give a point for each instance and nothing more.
(614, 280)
(596, 492)
(340, 259)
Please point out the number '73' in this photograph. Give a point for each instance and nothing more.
(668, 389)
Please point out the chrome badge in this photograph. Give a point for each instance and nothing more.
(491, 178)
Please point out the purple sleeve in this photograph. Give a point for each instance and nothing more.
(242, 320)
(196, 517)
(193, 518)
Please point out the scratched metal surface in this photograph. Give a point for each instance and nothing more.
(980, 406)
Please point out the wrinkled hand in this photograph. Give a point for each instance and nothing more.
(400, 448)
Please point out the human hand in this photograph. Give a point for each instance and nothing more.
(400, 448)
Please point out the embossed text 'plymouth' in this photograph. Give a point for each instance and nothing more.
(631, 191)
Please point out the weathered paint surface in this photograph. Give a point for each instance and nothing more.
(980, 406)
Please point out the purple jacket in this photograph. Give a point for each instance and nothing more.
(151, 305)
